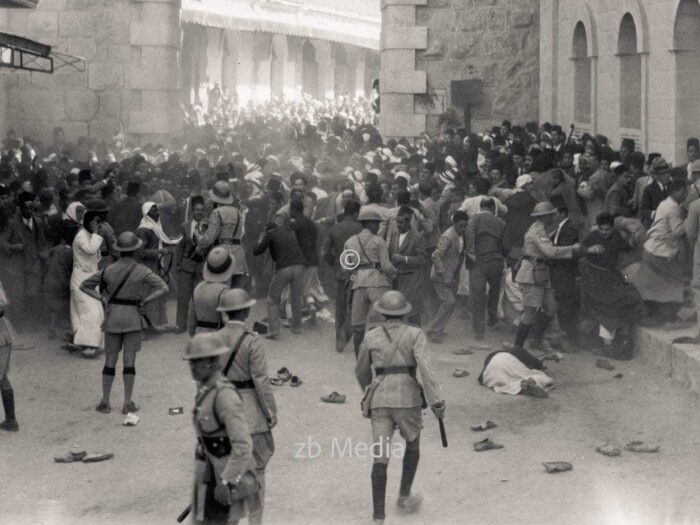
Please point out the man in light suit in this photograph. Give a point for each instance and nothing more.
(188, 263)
(399, 353)
(407, 253)
(448, 258)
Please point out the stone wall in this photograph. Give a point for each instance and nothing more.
(426, 44)
(131, 79)
(664, 84)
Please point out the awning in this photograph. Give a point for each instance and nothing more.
(287, 18)
(21, 53)
(27, 4)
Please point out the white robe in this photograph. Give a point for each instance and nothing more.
(505, 372)
(86, 313)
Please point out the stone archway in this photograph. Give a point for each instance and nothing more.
(582, 75)
(686, 45)
(630, 75)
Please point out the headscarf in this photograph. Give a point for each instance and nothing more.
(72, 211)
(156, 227)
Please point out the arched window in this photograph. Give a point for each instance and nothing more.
(630, 75)
(309, 69)
(582, 75)
(686, 40)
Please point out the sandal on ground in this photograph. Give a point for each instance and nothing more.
(463, 351)
(334, 397)
(487, 425)
(552, 467)
(284, 374)
(70, 457)
(130, 407)
(276, 382)
(103, 407)
(486, 444)
(640, 446)
(94, 458)
(460, 372)
(295, 381)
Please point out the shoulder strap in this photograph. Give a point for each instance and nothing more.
(219, 388)
(236, 347)
(113, 295)
(364, 254)
(238, 223)
(394, 343)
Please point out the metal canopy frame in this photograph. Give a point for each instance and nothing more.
(22, 54)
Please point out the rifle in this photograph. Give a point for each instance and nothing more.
(443, 434)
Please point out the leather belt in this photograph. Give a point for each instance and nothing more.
(126, 302)
(539, 260)
(244, 385)
(368, 266)
(210, 324)
(389, 370)
(229, 241)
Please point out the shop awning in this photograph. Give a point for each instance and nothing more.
(21, 53)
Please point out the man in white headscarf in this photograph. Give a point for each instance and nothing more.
(153, 255)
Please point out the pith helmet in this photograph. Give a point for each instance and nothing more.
(542, 209)
(221, 193)
(234, 299)
(219, 267)
(393, 303)
(128, 242)
(369, 215)
(205, 345)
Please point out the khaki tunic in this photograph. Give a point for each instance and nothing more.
(226, 228)
(205, 300)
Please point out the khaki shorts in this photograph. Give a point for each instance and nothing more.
(385, 421)
(5, 351)
(362, 301)
(538, 297)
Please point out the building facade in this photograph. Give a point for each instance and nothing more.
(428, 44)
(628, 68)
(145, 58)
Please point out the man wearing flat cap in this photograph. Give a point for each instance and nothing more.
(225, 228)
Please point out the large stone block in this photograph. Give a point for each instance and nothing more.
(83, 47)
(150, 122)
(405, 38)
(471, 20)
(78, 23)
(521, 18)
(123, 52)
(401, 125)
(158, 69)
(110, 104)
(103, 75)
(41, 24)
(61, 79)
(160, 100)
(402, 81)
(36, 104)
(159, 26)
(81, 105)
(397, 104)
(399, 16)
(398, 59)
(104, 129)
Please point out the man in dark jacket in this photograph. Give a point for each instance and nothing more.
(656, 192)
(484, 258)
(188, 263)
(125, 215)
(518, 220)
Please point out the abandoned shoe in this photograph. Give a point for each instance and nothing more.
(488, 425)
(640, 446)
(608, 450)
(70, 457)
(284, 374)
(552, 467)
(295, 381)
(334, 397)
(94, 458)
(486, 444)
(460, 372)
(274, 381)
(409, 504)
(604, 364)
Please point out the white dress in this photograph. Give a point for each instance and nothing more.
(505, 372)
(86, 313)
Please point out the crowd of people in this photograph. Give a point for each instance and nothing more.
(563, 240)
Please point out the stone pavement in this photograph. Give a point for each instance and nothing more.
(148, 481)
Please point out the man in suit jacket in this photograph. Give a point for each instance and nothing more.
(656, 192)
(484, 257)
(188, 263)
(24, 243)
(564, 273)
(448, 258)
(407, 253)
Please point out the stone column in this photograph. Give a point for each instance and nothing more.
(360, 67)
(155, 37)
(399, 81)
(326, 69)
(246, 65)
(549, 59)
(261, 87)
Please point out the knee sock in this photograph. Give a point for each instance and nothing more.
(8, 403)
(107, 380)
(358, 335)
(521, 336)
(378, 489)
(129, 375)
(410, 465)
(540, 326)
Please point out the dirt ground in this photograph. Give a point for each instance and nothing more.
(148, 481)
